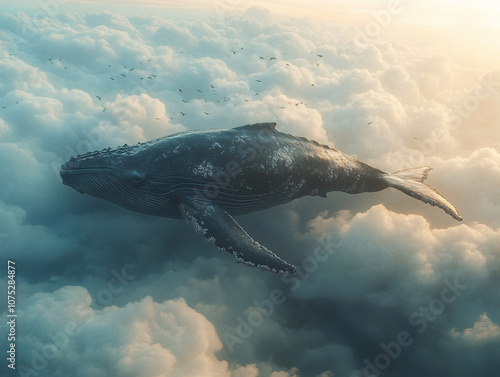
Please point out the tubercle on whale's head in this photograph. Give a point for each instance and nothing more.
(104, 157)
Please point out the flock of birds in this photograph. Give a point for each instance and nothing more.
(186, 94)
(144, 74)
(143, 71)
(15, 102)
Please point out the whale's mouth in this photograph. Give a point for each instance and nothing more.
(85, 180)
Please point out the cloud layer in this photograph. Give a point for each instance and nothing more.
(386, 283)
(167, 338)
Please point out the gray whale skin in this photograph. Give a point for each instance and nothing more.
(206, 176)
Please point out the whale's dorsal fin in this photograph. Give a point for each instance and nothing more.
(219, 228)
(258, 126)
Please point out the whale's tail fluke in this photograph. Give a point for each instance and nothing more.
(410, 182)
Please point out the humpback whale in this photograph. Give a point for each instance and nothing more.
(208, 176)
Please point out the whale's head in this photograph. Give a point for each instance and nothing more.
(127, 176)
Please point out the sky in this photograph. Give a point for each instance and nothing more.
(387, 286)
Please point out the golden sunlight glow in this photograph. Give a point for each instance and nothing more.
(462, 16)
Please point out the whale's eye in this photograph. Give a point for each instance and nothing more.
(135, 177)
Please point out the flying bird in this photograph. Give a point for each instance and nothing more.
(99, 98)
(256, 167)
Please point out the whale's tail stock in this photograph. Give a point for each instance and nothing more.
(410, 182)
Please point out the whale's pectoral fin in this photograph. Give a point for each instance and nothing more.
(219, 228)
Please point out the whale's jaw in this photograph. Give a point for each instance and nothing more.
(93, 181)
